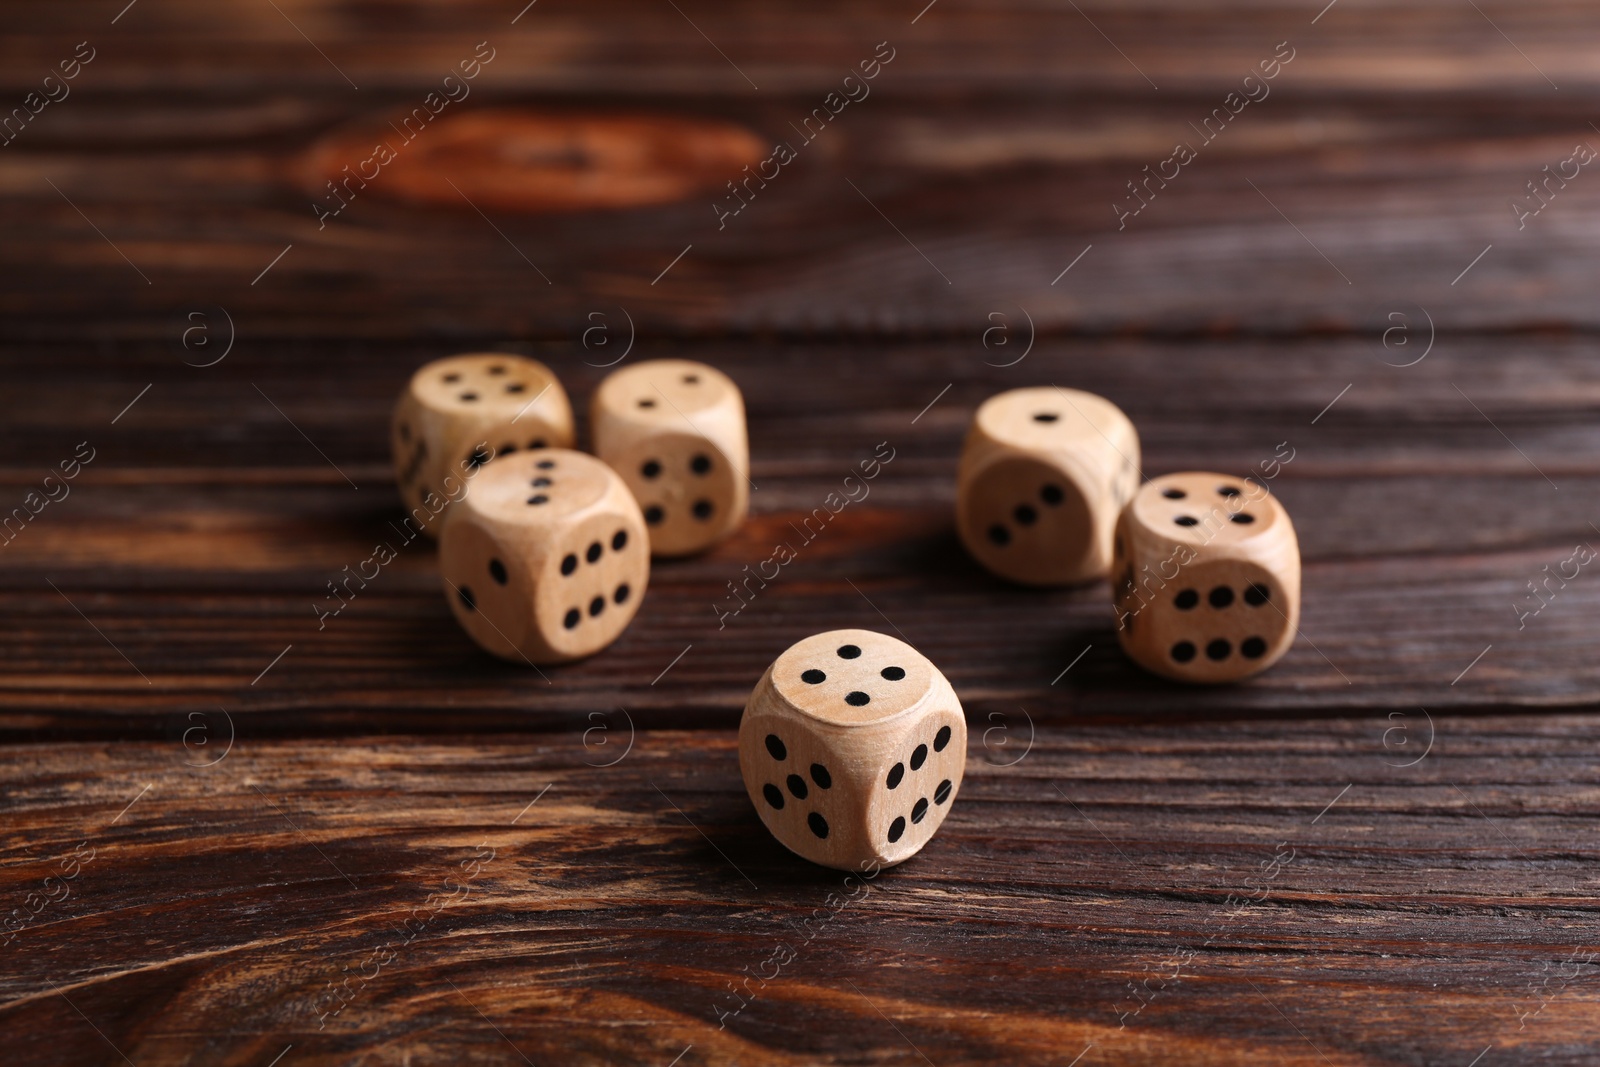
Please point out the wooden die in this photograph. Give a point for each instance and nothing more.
(1205, 577)
(675, 431)
(545, 559)
(1043, 474)
(852, 748)
(458, 413)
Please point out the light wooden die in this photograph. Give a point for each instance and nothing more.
(545, 559)
(1205, 577)
(852, 748)
(675, 430)
(459, 413)
(1044, 473)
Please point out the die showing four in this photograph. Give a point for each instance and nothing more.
(1043, 474)
(459, 413)
(852, 748)
(675, 430)
(1205, 578)
(546, 559)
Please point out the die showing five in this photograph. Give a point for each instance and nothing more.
(852, 748)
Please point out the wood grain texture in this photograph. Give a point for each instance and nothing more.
(232, 827)
(1198, 892)
(1384, 158)
(201, 539)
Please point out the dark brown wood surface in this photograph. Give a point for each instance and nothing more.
(238, 829)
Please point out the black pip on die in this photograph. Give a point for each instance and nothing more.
(852, 748)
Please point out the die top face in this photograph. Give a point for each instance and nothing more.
(666, 392)
(544, 486)
(1200, 508)
(852, 677)
(1050, 419)
(483, 385)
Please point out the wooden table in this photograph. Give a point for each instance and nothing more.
(235, 834)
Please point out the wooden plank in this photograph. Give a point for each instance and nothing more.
(997, 142)
(201, 542)
(1197, 892)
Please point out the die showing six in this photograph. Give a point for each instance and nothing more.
(545, 560)
(1205, 578)
(675, 430)
(852, 748)
(1043, 474)
(459, 413)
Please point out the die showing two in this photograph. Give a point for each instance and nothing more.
(1204, 568)
(547, 557)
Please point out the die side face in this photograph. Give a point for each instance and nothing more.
(487, 586)
(807, 791)
(460, 413)
(1197, 596)
(685, 487)
(1215, 622)
(593, 579)
(916, 783)
(1027, 521)
(534, 568)
(860, 765)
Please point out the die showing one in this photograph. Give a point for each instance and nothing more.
(458, 413)
(852, 748)
(1043, 474)
(1205, 577)
(545, 559)
(675, 430)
